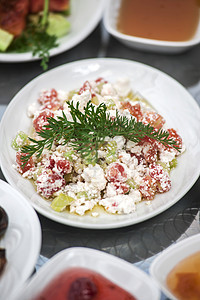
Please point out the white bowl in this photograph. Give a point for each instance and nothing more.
(170, 257)
(22, 240)
(120, 272)
(109, 19)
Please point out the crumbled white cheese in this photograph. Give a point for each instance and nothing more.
(110, 190)
(83, 99)
(108, 90)
(125, 157)
(95, 176)
(111, 113)
(80, 206)
(123, 87)
(167, 155)
(126, 113)
(120, 203)
(32, 109)
(45, 185)
(136, 150)
(120, 140)
(62, 95)
(130, 145)
(101, 154)
(19, 141)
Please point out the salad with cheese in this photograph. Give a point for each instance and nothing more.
(80, 169)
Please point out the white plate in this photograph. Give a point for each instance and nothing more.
(167, 260)
(22, 240)
(115, 269)
(110, 17)
(84, 17)
(164, 93)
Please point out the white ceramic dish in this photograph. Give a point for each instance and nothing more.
(171, 99)
(84, 17)
(110, 17)
(165, 262)
(115, 269)
(22, 240)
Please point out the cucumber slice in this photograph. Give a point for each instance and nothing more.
(60, 202)
(5, 39)
(58, 25)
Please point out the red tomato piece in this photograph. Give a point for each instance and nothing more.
(150, 153)
(154, 119)
(146, 139)
(163, 182)
(49, 182)
(101, 80)
(64, 166)
(36, 6)
(116, 172)
(60, 165)
(13, 16)
(41, 120)
(149, 149)
(87, 87)
(135, 110)
(52, 106)
(121, 187)
(49, 99)
(47, 96)
(29, 165)
(147, 188)
(175, 136)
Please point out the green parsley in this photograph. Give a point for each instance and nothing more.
(88, 130)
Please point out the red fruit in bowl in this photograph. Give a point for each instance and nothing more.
(82, 288)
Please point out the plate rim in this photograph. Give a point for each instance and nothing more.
(116, 224)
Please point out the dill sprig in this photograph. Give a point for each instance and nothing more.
(88, 129)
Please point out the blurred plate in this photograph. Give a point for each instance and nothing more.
(110, 18)
(84, 17)
(122, 273)
(22, 240)
(170, 99)
(170, 257)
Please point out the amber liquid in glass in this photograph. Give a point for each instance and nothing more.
(168, 20)
(184, 279)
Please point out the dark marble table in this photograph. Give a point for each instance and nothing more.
(141, 242)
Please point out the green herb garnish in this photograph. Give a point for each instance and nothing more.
(35, 39)
(89, 129)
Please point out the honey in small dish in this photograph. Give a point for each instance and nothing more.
(184, 279)
(168, 20)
